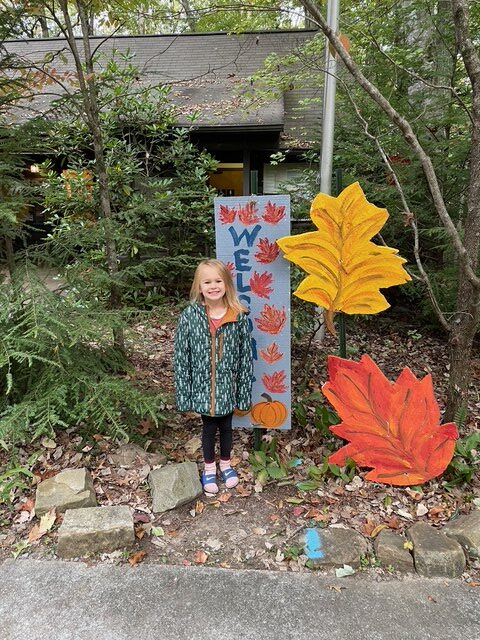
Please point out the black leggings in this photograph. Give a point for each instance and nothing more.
(210, 426)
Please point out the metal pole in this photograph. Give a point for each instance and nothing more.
(328, 123)
(329, 91)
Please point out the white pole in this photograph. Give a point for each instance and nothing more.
(328, 121)
(329, 90)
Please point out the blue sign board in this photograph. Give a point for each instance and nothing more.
(247, 228)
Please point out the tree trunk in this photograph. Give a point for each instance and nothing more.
(468, 299)
(44, 27)
(88, 90)
(189, 15)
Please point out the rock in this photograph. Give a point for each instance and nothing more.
(390, 551)
(69, 489)
(334, 547)
(466, 531)
(95, 530)
(434, 554)
(130, 454)
(174, 485)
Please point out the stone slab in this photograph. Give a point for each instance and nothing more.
(174, 485)
(130, 454)
(95, 530)
(466, 531)
(69, 489)
(434, 554)
(334, 547)
(390, 550)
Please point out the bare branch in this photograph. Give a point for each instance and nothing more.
(423, 80)
(411, 219)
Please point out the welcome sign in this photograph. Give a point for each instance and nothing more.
(246, 232)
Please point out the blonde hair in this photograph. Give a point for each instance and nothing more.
(231, 297)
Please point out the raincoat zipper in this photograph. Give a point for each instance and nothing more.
(214, 372)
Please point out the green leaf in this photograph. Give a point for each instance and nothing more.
(335, 470)
(276, 472)
(262, 476)
(260, 458)
(309, 485)
(315, 473)
(295, 500)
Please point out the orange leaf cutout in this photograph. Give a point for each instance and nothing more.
(267, 251)
(271, 354)
(275, 383)
(391, 427)
(260, 284)
(271, 320)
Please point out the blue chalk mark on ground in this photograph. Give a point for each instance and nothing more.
(313, 545)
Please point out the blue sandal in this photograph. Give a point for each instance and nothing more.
(229, 474)
(211, 480)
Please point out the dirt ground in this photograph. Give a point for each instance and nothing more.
(250, 527)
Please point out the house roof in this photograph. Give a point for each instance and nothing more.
(207, 72)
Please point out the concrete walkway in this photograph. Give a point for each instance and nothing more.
(69, 601)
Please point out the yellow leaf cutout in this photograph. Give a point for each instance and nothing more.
(346, 269)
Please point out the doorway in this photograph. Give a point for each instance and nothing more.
(228, 179)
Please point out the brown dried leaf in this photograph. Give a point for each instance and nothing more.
(369, 526)
(144, 426)
(28, 505)
(136, 558)
(393, 523)
(200, 556)
(224, 497)
(377, 530)
(242, 491)
(139, 532)
(46, 523)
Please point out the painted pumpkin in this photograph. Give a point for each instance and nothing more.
(270, 414)
(239, 412)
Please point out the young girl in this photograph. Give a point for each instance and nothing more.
(213, 364)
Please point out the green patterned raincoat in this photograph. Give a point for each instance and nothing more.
(213, 374)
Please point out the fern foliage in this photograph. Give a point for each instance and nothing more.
(58, 369)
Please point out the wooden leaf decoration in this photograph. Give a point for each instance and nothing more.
(392, 427)
(346, 269)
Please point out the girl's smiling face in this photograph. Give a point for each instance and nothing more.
(212, 285)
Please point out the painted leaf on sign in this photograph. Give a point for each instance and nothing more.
(271, 353)
(267, 251)
(346, 269)
(261, 284)
(392, 427)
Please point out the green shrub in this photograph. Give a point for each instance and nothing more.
(58, 369)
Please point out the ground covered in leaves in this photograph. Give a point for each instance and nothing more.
(252, 526)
